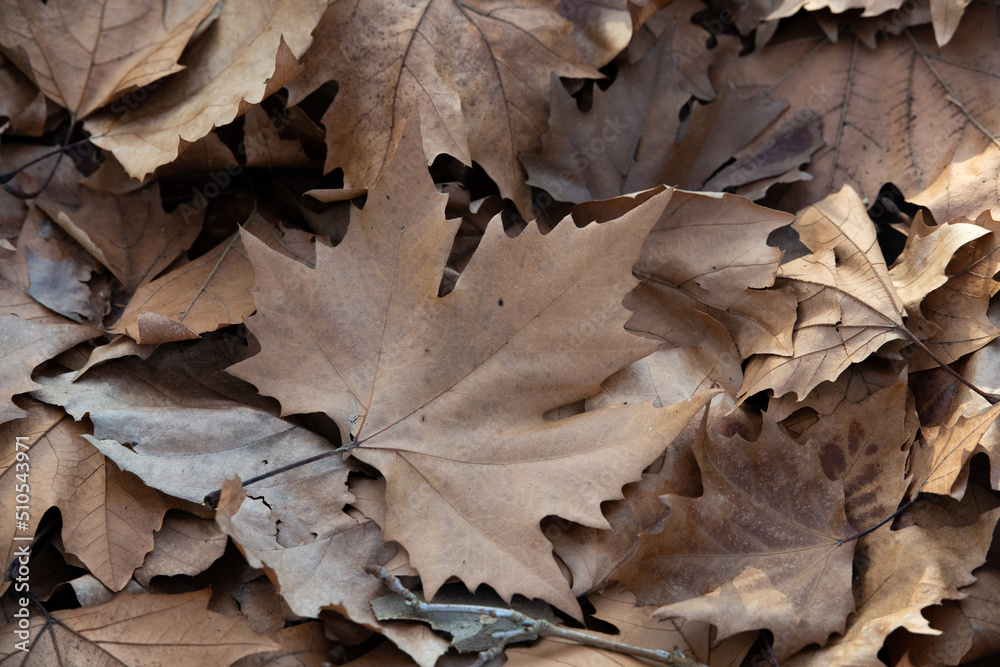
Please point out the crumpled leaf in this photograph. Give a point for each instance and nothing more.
(953, 319)
(847, 304)
(945, 470)
(922, 266)
(901, 573)
(452, 414)
(177, 410)
(26, 344)
(138, 630)
(250, 53)
(210, 292)
(477, 74)
(322, 570)
(759, 549)
(84, 54)
(968, 626)
(683, 276)
(130, 233)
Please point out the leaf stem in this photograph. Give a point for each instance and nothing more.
(991, 398)
(212, 499)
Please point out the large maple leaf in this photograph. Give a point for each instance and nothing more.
(446, 396)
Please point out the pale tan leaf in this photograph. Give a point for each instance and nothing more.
(130, 233)
(954, 319)
(477, 74)
(326, 570)
(901, 573)
(921, 268)
(108, 517)
(847, 304)
(682, 275)
(177, 410)
(945, 470)
(185, 544)
(969, 626)
(84, 54)
(250, 53)
(210, 292)
(137, 630)
(26, 345)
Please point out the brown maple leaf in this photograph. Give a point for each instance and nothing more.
(110, 52)
(446, 396)
(761, 548)
(250, 53)
(848, 306)
(138, 629)
(901, 573)
(883, 117)
(108, 517)
(477, 74)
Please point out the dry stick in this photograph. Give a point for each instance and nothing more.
(529, 626)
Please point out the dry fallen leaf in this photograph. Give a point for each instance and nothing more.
(908, 113)
(900, 573)
(137, 630)
(636, 626)
(323, 570)
(452, 414)
(26, 344)
(113, 50)
(761, 548)
(130, 233)
(477, 74)
(847, 304)
(250, 53)
(108, 517)
(208, 293)
(682, 276)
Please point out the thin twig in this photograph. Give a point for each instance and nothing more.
(529, 627)
(13, 188)
(991, 398)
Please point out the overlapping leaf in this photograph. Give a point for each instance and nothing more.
(446, 396)
(477, 74)
(761, 548)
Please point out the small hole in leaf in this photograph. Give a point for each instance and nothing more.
(500, 303)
